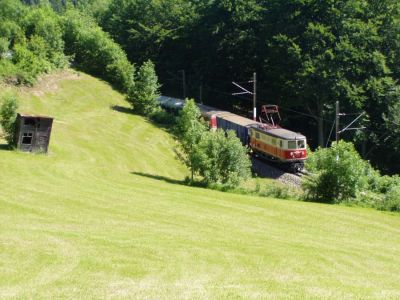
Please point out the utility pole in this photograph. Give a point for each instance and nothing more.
(337, 121)
(254, 93)
(183, 83)
(254, 96)
(347, 127)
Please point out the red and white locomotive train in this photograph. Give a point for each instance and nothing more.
(265, 139)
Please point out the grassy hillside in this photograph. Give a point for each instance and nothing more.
(104, 216)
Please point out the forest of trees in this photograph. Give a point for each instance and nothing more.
(308, 54)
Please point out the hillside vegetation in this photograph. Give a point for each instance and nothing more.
(104, 215)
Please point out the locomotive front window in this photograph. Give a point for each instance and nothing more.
(257, 135)
(301, 144)
(291, 144)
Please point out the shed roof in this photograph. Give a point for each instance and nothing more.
(34, 116)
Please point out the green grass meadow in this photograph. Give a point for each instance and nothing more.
(104, 216)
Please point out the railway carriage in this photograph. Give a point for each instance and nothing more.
(277, 144)
(171, 104)
(228, 121)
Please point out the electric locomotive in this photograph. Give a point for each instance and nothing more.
(281, 145)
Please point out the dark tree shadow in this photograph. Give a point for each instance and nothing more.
(161, 178)
(185, 182)
(5, 147)
(168, 127)
(123, 109)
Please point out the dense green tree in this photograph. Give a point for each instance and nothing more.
(338, 55)
(190, 130)
(143, 95)
(144, 27)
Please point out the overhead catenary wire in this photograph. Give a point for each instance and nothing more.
(212, 89)
(262, 102)
(240, 96)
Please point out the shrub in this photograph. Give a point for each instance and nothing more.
(337, 174)
(8, 71)
(389, 189)
(95, 52)
(391, 201)
(219, 157)
(43, 26)
(30, 40)
(222, 158)
(4, 44)
(8, 116)
(29, 65)
(277, 191)
(163, 117)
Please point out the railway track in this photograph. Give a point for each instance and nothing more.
(266, 170)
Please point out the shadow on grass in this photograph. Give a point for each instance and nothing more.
(161, 178)
(275, 193)
(123, 109)
(185, 182)
(161, 120)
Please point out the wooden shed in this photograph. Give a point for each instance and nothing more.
(33, 133)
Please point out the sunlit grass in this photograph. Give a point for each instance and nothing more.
(104, 215)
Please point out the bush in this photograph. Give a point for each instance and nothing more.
(28, 64)
(8, 71)
(4, 44)
(391, 201)
(218, 157)
(337, 174)
(163, 117)
(276, 191)
(95, 52)
(222, 158)
(8, 116)
(30, 41)
(389, 191)
(43, 26)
